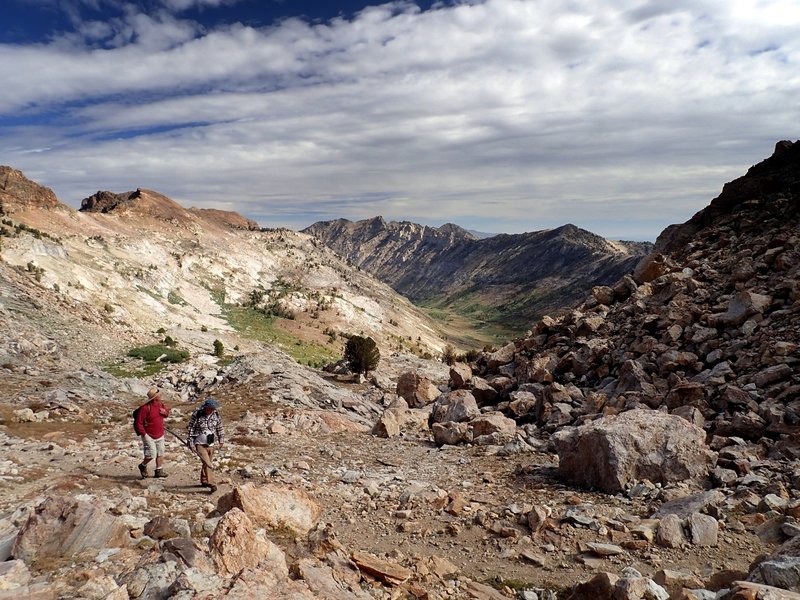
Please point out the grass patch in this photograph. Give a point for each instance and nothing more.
(153, 352)
(175, 298)
(255, 325)
(148, 364)
(141, 369)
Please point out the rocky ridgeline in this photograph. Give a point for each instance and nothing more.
(708, 331)
(680, 378)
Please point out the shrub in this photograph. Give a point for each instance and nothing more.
(219, 348)
(362, 354)
(449, 355)
(155, 351)
(203, 328)
(469, 356)
(168, 341)
(161, 330)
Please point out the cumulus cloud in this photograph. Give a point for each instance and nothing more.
(502, 115)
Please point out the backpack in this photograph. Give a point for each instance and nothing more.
(135, 416)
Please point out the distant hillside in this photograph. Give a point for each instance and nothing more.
(136, 263)
(496, 286)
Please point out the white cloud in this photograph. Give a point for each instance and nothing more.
(504, 114)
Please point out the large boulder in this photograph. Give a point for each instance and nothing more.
(235, 545)
(458, 406)
(613, 453)
(273, 507)
(460, 375)
(392, 420)
(418, 391)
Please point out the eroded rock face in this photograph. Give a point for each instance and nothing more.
(613, 453)
(62, 527)
(273, 506)
(17, 191)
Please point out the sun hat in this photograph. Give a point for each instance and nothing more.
(152, 393)
(210, 403)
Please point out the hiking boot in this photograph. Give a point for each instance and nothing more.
(143, 471)
(211, 488)
(159, 473)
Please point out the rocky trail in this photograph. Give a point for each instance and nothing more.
(404, 499)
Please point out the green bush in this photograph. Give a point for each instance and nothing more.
(219, 349)
(153, 352)
(362, 354)
(168, 341)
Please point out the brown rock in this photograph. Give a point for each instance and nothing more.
(418, 391)
(493, 422)
(387, 572)
(457, 405)
(670, 532)
(503, 356)
(613, 453)
(744, 304)
(687, 394)
(62, 527)
(322, 580)
(460, 375)
(235, 546)
(273, 506)
(703, 529)
(745, 590)
(17, 191)
(603, 294)
(599, 587)
(451, 433)
(479, 591)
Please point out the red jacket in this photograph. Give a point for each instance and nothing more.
(150, 419)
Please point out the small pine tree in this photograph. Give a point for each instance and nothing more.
(362, 354)
(219, 349)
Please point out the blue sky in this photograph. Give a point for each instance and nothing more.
(621, 117)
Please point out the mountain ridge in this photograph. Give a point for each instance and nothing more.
(506, 278)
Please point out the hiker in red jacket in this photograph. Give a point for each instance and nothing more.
(149, 425)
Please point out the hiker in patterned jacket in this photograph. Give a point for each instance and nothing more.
(205, 430)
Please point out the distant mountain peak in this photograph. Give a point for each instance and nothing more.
(143, 202)
(19, 192)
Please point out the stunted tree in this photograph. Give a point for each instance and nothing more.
(362, 354)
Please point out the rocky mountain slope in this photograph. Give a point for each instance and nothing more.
(501, 284)
(141, 263)
(683, 374)
(641, 446)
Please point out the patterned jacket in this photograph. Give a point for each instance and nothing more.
(203, 424)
